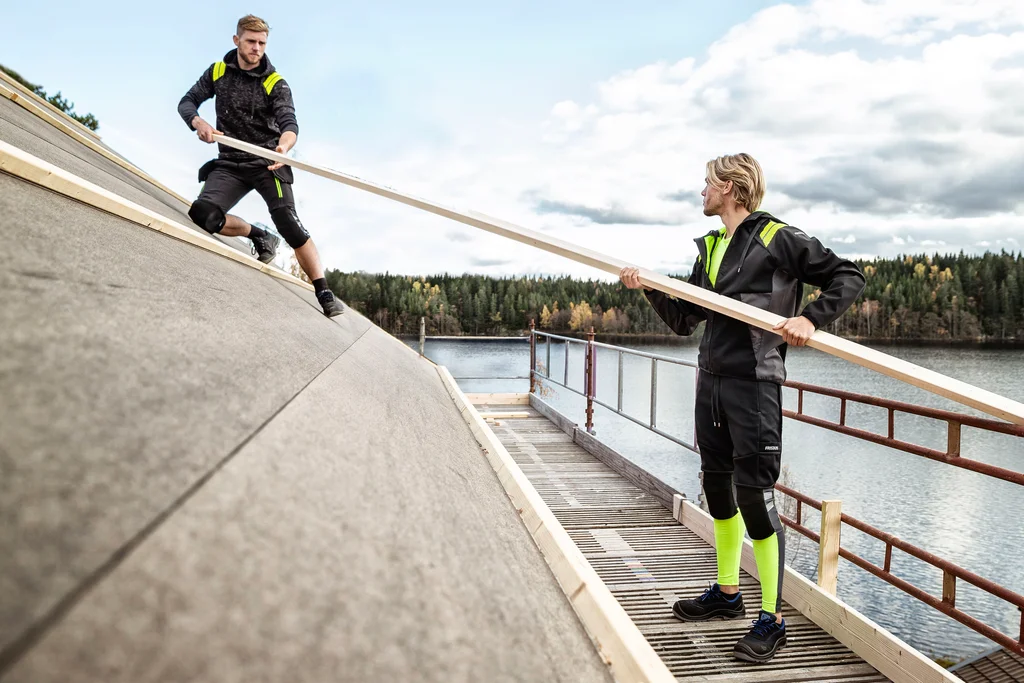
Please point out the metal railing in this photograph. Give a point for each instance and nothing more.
(951, 572)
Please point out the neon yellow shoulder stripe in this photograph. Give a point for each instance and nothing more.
(270, 81)
(218, 70)
(768, 232)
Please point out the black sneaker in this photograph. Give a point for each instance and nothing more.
(763, 641)
(265, 248)
(330, 304)
(712, 603)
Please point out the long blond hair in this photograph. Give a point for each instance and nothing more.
(745, 174)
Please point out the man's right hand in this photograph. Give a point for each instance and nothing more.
(204, 130)
(630, 277)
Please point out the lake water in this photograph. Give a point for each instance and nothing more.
(965, 517)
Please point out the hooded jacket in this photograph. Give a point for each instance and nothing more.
(764, 265)
(254, 106)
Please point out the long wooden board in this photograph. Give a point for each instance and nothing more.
(20, 163)
(620, 642)
(32, 104)
(18, 87)
(916, 375)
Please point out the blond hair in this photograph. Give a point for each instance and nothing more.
(745, 174)
(250, 22)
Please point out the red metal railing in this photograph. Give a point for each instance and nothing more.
(954, 423)
(950, 572)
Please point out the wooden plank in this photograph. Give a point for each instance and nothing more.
(18, 87)
(879, 648)
(628, 469)
(23, 165)
(828, 548)
(619, 641)
(71, 132)
(923, 378)
(505, 416)
(499, 399)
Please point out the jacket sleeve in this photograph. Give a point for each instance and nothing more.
(808, 260)
(679, 314)
(188, 107)
(284, 108)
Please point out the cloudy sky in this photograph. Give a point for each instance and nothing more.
(883, 126)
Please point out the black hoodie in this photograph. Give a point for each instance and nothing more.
(252, 106)
(764, 266)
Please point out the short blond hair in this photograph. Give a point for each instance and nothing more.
(250, 22)
(745, 174)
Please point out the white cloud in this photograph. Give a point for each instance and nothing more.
(879, 123)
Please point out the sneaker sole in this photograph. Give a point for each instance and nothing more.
(748, 656)
(267, 258)
(721, 614)
(334, 314)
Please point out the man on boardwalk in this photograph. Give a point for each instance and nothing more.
(253, 104)
(761, 261)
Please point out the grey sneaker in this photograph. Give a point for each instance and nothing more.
(332, 307)
(265, 248)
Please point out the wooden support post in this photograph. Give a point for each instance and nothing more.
(953, 439)
(949, 589)
(828, 549)
(423, 333)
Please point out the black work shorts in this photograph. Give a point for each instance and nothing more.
(739, 428)
(226, 182)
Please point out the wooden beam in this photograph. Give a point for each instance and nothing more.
(828, 547)
(619, 641)
(499, 399)
(19, 163)
(879, 648)
(923, 378)
(57, 122)
(18, 87)
(504, 416)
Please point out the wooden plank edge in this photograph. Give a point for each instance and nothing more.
(41, 113)
(499, 399)
(54, 110)
(23, 165)
(879, 648)
(929, 380)
(618, 640)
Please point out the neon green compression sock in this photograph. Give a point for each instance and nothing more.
(766, 553)
(729, 547)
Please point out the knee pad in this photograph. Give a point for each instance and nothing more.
(207, 216)
(759, 513)
(718, 495)
(288, 224)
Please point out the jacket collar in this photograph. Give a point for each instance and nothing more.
(264, 69)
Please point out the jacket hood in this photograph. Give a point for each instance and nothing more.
(264, 69)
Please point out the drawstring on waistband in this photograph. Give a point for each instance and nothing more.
(716, 415)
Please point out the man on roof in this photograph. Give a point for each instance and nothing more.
(253, 104)
(756, 259)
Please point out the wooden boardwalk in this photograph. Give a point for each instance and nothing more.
(649, 560)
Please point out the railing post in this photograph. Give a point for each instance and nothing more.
(953, 439)
(828, 548)
(949, 588)
(589, 386)
(423, 333)
(533, 353)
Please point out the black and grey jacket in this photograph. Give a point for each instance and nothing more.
(765, 265)
(253, 106)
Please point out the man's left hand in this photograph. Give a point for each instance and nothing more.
(286, 142)
(795, 331)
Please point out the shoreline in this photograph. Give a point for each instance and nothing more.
(676, 340)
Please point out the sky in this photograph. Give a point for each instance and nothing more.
(884, 127)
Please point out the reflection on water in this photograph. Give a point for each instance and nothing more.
(968, 518)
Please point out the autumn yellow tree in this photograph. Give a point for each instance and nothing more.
(581, 316)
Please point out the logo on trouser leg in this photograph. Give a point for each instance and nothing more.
(774, 449)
